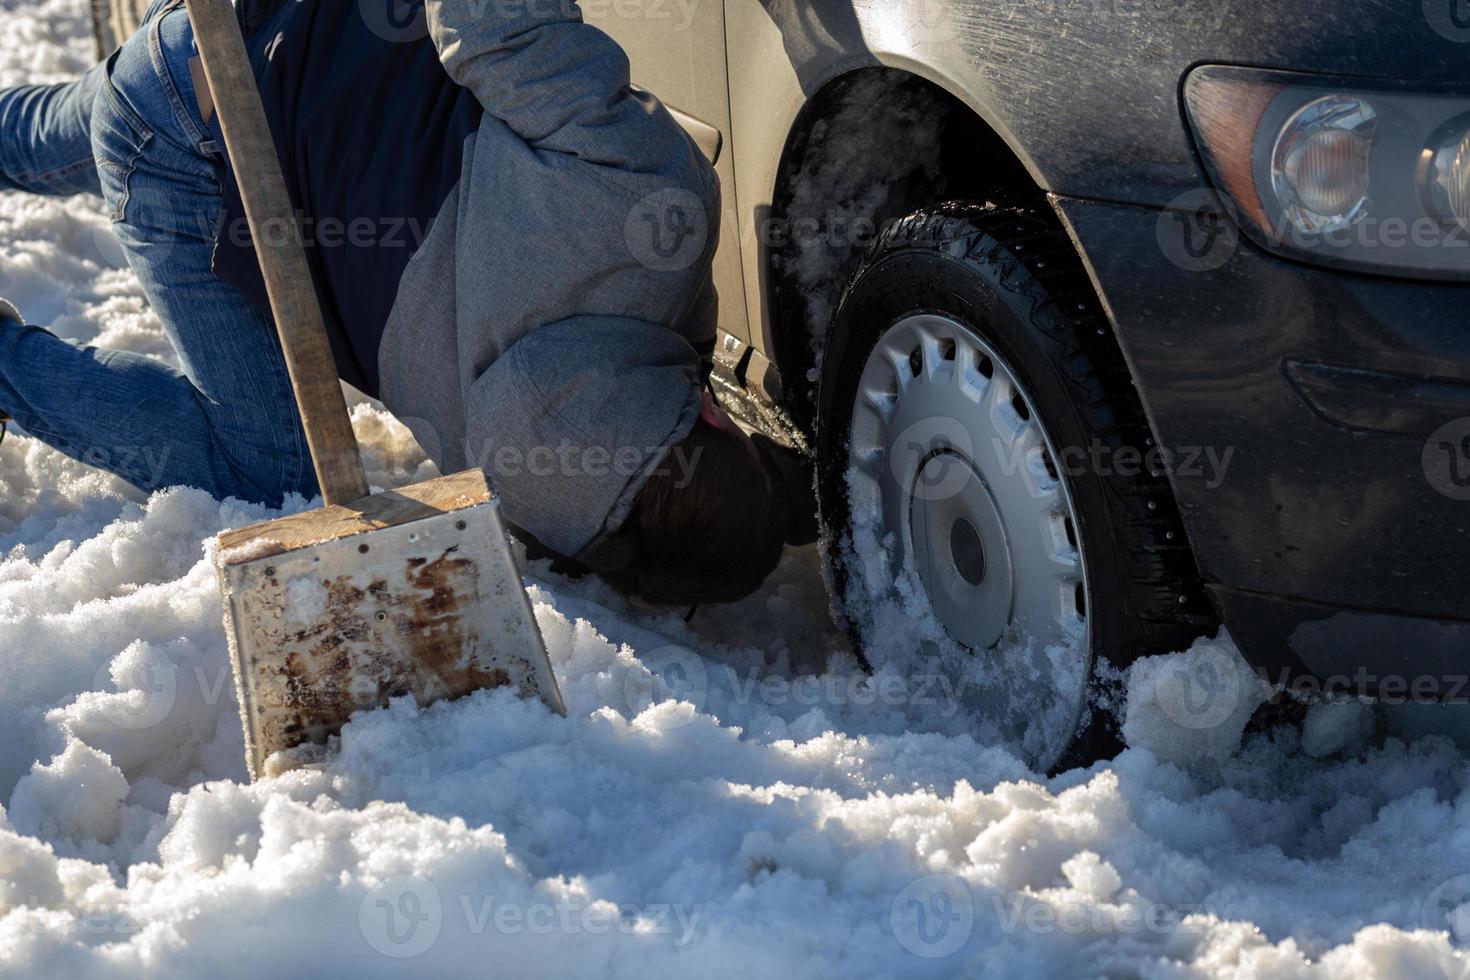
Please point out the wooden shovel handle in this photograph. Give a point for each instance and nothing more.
(282, 258)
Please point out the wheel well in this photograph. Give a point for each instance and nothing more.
(870, 147)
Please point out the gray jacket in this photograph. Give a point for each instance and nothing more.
(546, 330)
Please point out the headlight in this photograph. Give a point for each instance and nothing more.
(1319, 166)
(1446, 174)
(1337, 173)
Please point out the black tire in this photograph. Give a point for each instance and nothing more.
(1012, 276)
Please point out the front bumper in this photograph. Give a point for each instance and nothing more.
(1327, 540)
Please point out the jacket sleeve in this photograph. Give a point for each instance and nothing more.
(583, 232)
(558, 83)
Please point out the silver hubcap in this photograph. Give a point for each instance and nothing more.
(961, 552)
(949, 457)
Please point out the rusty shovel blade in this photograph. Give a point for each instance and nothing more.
(338, 609)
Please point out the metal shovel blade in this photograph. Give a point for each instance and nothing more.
(334, 610)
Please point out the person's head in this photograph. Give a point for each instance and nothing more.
(706, 527)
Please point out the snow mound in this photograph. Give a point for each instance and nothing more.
(1194, 705)
(727, 798)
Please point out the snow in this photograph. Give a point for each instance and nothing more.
(906, 645)
(725, 798)
(1193, 706)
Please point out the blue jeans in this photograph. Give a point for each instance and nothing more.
(227, 423)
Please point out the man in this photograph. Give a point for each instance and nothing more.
(512, 248)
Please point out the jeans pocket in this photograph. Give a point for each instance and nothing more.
(119, 136)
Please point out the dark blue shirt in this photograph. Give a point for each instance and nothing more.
(370, 131)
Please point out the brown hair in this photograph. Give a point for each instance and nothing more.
(706, 527)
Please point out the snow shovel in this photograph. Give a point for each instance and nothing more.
(369, 597)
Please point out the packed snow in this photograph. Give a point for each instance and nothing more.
(728, 797)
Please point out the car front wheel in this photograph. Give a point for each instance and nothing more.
(987, 485)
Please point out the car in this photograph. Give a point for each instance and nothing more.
(1107, 323)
